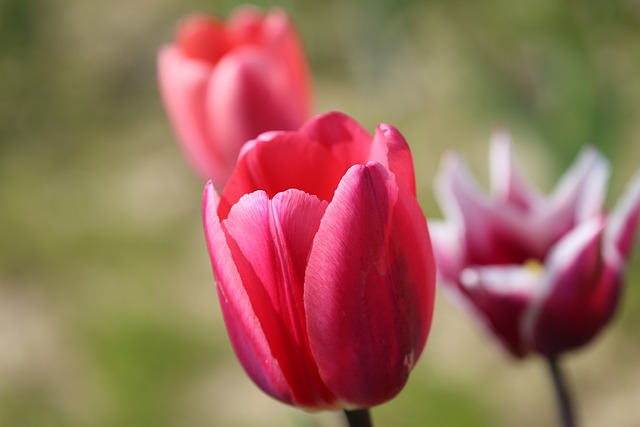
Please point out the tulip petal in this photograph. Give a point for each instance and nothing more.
(506, 182)
(623, 220)
(183, 85)
(491, 235)
(369, 287)
(578, 295)
(287, 44)
(580, 192)
(245, 330)
(462, 203)
(277, 161)
(500, 296)
(499, 233)
(447, 249)
(390, 149)
(276, 33)
(457, 192)
(345, 138)
(248, 96)
(270, 242)
(202, 37)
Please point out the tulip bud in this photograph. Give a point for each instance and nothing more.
(323, 263)
(224, 83)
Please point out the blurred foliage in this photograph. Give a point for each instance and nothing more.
(108, 313)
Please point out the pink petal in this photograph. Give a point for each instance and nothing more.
(245, 99)
(506, 182)
(245, 330)
(279, 161)
(202, 37)
(276, 35)
(183, 85)
(285, 42)
(369, 287)
(341, 135)
(579, 294)
(245, 25)
(623, 221)
(270, 242)
(390, 149)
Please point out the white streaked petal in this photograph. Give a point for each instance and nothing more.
(580, 191)
(501, 163)
(563, 257)
(453, 178)
(447, 249)
(506, 182)
(623, 222)
(505, 279)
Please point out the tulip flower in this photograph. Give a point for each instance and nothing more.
(542, 273)
(323, 263)
(225, 83)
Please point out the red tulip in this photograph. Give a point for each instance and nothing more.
(543, 274)
(323, 263)
(225, 83)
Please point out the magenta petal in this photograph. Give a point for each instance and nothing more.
(624, 220)
(183, 85)
(500, 296)
(270, 242)
(345, 138)
(579, 294)
(245, 330)
(489, 235)
(492, 232)
(391, 150)
(369, 287)
(278, 161)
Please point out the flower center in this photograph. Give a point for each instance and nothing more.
(533, 267)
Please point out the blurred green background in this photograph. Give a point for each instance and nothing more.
(108, 312)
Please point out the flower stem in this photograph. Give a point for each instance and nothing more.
(359, 418)
(565, 408)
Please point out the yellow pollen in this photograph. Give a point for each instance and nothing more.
(534, 266)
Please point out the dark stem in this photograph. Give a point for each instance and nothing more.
(565, 408)
(359, 418)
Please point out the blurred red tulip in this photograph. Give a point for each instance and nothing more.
(543, 274)
(323, 263)
(225, 83)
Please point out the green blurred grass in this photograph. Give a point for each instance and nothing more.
(108, 312)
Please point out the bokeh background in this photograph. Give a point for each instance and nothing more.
(108, 312)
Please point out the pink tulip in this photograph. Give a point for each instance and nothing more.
(225, 83)
(542, 273)
(323, 263)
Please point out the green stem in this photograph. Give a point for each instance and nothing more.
(359, 418)
(565, 408)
